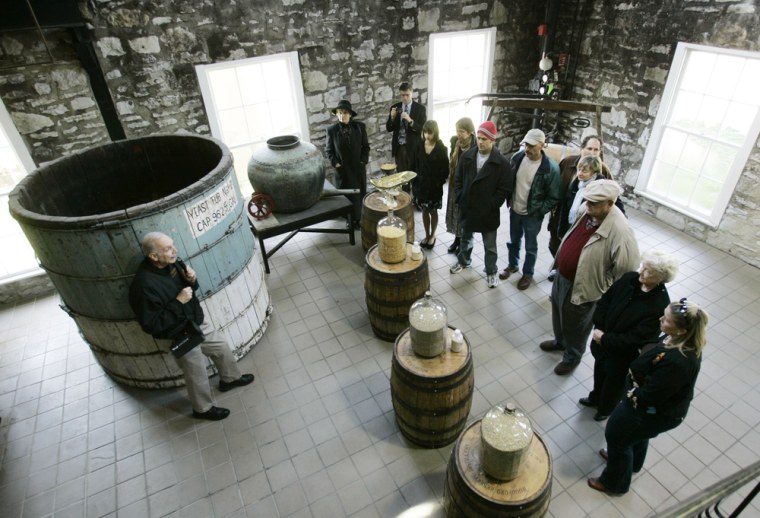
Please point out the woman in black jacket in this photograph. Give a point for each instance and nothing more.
(432, 165)
(660, 389)
(626, 317)
(460, 144)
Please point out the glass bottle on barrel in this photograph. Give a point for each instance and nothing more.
(428, 326)
(391, 238)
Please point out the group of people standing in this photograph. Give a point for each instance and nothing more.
(647, 350)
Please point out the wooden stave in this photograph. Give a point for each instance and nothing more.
(406, 281)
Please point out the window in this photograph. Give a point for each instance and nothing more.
(17, 257)
(705, 128)
(252, 100)
(462, 64)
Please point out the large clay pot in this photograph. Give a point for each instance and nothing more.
(290, 171)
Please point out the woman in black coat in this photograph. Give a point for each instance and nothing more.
(348, 151)
(627, 316)
(432, 165)
(660, 389)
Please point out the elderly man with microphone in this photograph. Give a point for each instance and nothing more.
(163, 299)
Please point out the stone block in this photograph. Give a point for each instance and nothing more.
(146, 45)
(110, 46)
(27, 123)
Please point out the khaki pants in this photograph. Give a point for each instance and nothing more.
(193, 365)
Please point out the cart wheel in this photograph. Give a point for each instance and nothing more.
(260, 206)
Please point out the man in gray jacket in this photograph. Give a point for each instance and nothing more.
(595, 252)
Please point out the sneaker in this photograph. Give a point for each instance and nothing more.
(552, 275)
(492, 281)
(457, 267)
(506, 272)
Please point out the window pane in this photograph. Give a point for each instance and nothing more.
(718, 162)
(682, 186)
(710, 117)
(697, 72)
(705, 195)
(671, 146)
(260, 124)
(277, 79)
(725, 76)
(234, 127)
(750, 78)
(737, 123)
(225, 87)
(694, 152)
(661, 178)
(252, 88)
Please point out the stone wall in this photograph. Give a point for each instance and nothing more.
(626, 53)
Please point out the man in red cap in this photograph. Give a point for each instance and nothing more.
(481, 183)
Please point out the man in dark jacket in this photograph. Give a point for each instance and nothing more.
(482, 182)
(348, 151)
(405, 120)
(162, 297)
(537, 187)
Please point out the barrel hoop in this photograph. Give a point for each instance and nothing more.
(435, 412)
(438, 383)
(230, 230)
(427, 431)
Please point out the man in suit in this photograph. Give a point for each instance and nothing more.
(405, 120)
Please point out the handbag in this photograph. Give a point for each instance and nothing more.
(187, 340)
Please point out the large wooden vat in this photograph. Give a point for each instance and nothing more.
(86, 214)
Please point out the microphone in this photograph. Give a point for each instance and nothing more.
(182, 264)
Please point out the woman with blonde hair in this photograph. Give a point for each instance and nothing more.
(462, 142)
(660, 389)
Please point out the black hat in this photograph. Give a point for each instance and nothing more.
(344, 105)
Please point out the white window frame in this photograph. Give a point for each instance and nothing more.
(666, 105)
(476, 105)
(22, 153)
(296, 93)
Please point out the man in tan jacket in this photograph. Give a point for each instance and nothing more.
(595, 252)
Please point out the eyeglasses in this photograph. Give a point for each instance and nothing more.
(683, 308)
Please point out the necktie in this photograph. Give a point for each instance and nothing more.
(402, 129)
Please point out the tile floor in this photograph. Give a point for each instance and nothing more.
(315, 434)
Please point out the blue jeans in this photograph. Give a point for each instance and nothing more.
(530, 226)
(489, 246)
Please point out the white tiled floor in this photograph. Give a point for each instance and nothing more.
(315, 434)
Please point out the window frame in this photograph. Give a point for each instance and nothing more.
(297, 94)
(490, 52)
(17, 144)
(661, 123)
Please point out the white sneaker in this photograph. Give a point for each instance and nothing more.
(456, 267)
(492, 280)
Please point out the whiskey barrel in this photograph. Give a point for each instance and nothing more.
(469, 491)
(391, 289)
(374, 209)
(431, 396)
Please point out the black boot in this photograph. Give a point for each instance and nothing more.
(454, 248)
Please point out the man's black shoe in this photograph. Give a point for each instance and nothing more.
(215, 413)
(242, 381)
